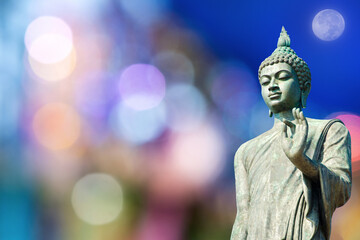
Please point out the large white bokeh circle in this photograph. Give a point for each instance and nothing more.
(97, 199)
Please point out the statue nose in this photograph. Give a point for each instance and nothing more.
(273, 88)
(273, 85)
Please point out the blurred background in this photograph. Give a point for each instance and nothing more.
(120, 118)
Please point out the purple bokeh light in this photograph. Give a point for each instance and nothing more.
(142, 86)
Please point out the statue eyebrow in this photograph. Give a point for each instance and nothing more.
(276, 74)
(264, 75)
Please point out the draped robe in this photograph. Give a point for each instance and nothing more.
(275, 200)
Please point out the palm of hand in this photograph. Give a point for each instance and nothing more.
(294, 145)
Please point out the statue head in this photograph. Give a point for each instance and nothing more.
(284, 77)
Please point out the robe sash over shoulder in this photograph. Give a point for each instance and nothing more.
(333, 154)
(304, 206)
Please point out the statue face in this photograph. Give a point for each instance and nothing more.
(280, 87)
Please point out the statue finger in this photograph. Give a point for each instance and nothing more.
(298, 110)
(303, 119)
(298, 115)
(295, 115)
(303, 131)
(284, 131)
(290, 124)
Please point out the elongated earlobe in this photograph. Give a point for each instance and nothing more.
(304, 94)
(303, 100)
(270, 113)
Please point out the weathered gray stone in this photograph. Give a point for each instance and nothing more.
(290, 179)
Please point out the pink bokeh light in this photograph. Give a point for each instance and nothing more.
(352, 122)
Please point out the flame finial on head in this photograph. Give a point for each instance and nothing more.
(284, 39)
(284, 54)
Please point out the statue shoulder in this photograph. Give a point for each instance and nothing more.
(319, 124)
(316, 126)
(249, 145)
(242, 150)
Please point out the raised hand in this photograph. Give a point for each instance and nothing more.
(294, 145)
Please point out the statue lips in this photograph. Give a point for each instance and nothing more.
(274, 96)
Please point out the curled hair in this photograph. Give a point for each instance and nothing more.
(284, 54)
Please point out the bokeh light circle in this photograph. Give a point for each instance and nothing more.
(50, 48)
(186, 107)
(138, 127)
(97, 199)
(142, 86)
(352, 123)
(328, 25)
(48, 39)
(56, 126)
(56, 71)
(176, 67)
(198, 156)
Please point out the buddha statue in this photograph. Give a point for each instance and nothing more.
(290, 179)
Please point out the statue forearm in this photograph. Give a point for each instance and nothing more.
(307, 166)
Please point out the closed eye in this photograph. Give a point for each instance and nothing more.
(284, 75)
(264, 81)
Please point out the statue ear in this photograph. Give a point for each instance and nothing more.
(305, 93)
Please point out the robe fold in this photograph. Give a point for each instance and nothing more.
(275, 200)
